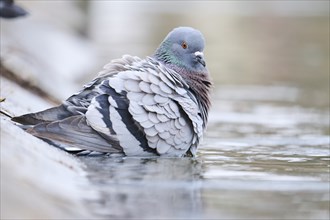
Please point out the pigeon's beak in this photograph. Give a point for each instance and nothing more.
(200, 58)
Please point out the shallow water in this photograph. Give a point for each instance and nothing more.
(263, 156)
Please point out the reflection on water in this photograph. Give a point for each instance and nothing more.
(137, 187)
(263, 156)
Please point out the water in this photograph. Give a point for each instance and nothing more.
(265, 154)
(262, 157)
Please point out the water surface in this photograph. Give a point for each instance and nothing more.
(262, 157)
(265, 154)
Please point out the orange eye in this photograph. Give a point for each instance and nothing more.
(184, 45)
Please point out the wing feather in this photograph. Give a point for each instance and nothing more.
(74, 132)
(135, 106)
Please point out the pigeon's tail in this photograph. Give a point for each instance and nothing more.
(49, 115)
(74, 132)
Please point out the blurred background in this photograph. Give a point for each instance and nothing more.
(248, 42)
(265, 154)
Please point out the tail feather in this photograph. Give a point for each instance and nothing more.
(74, 132)
(49, 115)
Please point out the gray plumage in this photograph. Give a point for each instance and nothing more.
(139, 107)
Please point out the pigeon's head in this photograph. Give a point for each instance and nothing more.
(183, 47)
(182, 51)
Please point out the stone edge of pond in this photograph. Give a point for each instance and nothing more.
(38, 181)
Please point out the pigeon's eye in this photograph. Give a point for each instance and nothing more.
(184, 45)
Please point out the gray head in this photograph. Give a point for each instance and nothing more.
(183, 47)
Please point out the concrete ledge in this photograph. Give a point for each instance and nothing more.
(38, 181)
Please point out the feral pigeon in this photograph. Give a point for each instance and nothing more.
(8, 9)
(138, 107)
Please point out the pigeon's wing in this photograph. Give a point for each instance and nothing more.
(49, 115)
(66, 124)
(78, 103)
(165, 111)
(144, 110)
(74, 132)
(75, 105)
(108, 114)
(149, 110)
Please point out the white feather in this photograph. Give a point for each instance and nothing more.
(132, 85)
(148, 99)
(112, 102)
(153, 79)
(144, 76)
(153, 117)
(151, 131)
(145, 87)
(147, 124)
(155, 89)
(162, 117)
(136, 109)
(161, 127)
(164, 135)
(162, 147)
(127, 141)
(94, 118)
(117, 84)
(135, 96)
(161, 99)
(165, 88)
